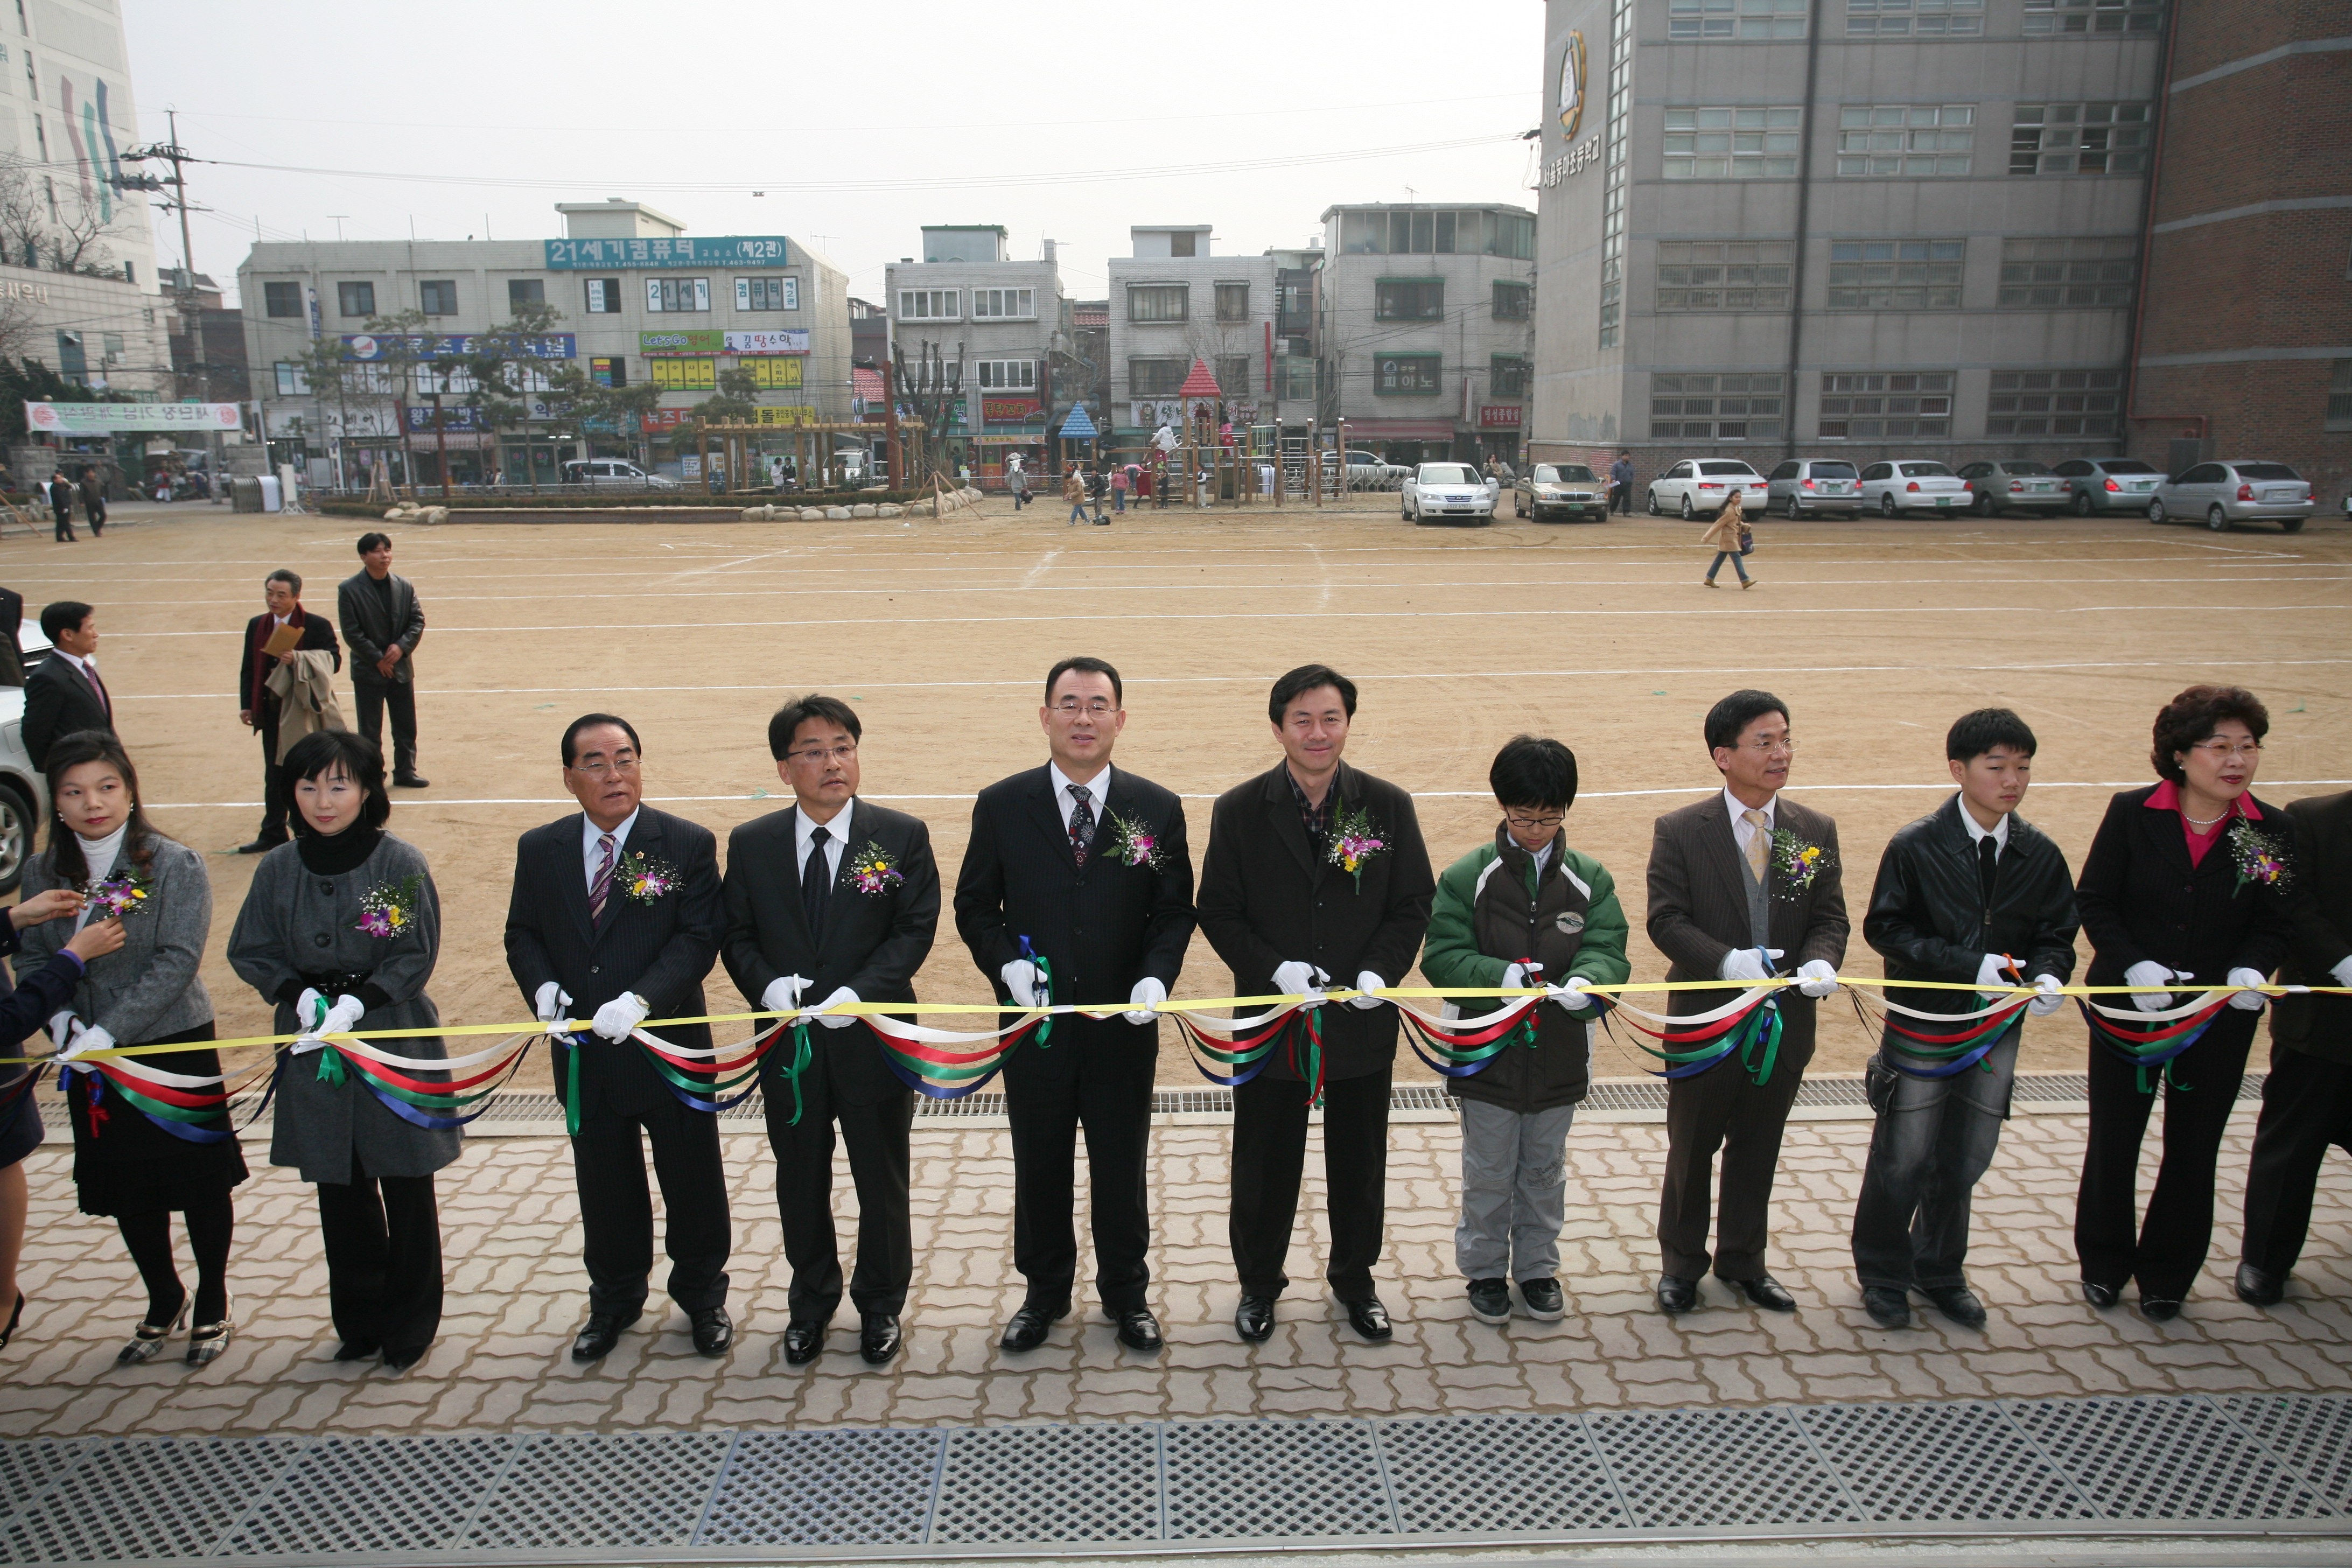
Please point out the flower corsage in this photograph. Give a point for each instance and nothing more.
(1798, 860)
(1133, 843)
(118, 895)
(644, 880)
(1356, 841)
(390, 908)
(2260, 857)
(873, 872)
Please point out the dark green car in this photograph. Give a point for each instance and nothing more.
(1552, 490)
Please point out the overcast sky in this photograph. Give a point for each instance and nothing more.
(861, 121)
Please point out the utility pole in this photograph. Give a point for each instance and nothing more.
(191, 319)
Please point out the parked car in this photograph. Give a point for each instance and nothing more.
(613, 473)
(2108, 484)
(1815, 485)
(34, 644)
(1559, 489)
(1365, 471)
(1697, 487)
(1912, 486)
(1449, 490)
(2228, 493)
(2014, 482)
(23, 795)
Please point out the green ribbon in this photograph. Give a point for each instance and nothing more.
(330, 1065)
(1762, 1075)
(1045, 1025)
(792, 1075)
(572, 1086)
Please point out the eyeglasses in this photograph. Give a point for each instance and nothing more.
(1070, 708)
(1526, 819)
(623, 764)
(1784, 743)
(811, 756)
(2219, 751)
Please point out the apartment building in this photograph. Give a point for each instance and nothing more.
(1002, 322)
(1175, 300)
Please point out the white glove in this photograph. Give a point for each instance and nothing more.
(783, 994)
(1368, 981)
(1570, 993)
(2047, 1000)
(1147, 993)
(1993, 971)
(1298, 978)
(1747, 963)
(62, 1024)
(346, 1011)
(1517, 975)
(2252, 1001)
(833, 1020)
(619, 1018)
(2155, 985)
(308, 1008)
(1024, 982)
(93, 1038)
(2342, 973)
(551, 1001)
(1817, 977)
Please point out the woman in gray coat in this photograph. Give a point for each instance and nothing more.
(131, 1164)
(315, 938)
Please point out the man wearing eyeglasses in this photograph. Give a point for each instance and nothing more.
(832, 901)
(586, 938)
(1743, 885)
(1076, 887)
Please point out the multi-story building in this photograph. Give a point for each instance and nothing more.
(1851, 227)
(208, 366)
(1174, 301)
(968, 303)
(1426, 316)
(636, 297)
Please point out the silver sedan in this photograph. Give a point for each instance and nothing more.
(2225, 494)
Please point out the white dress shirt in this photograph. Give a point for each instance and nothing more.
(590, 833)
(1098, 794)
(1542, 858)
(836, 838)
(1742, 830)
(87, 666)
(1999, 833)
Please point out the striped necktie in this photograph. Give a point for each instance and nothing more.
(601, 888)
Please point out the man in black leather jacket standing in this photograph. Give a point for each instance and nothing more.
(1971, 893)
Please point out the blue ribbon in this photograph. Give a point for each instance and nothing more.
(1950, 1068)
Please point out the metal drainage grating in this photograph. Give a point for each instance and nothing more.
(1898, 1461)
(372, 1495)
(1007, 1484)
(28, 1466)
(1718, 1469)
(1498, 1473)
(588, 1490)
(1260, 1479)
(2152, 1457)
(2311, 1432)
(145, 1497)
(825, 1489)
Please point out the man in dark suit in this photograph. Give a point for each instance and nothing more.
(281, 592)
(384, 622)
(61, 499)
(585, 937)
(1293, 899)
(834, 898)
(1733, 893)
(2307, 1098)
(1076, 887)
(64, 693)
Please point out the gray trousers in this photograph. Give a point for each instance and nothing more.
(1514, 1190)
(1934, 1137)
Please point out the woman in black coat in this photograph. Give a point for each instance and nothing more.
(2189, 885)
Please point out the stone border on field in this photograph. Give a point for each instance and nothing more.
(945, 502)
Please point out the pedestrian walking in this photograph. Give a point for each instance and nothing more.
(1729, 535)
(60, 496)
(1016, 480)
(93, 498)
(1097, 487)
(1621, 484)
(384, 622)
(1118, 482)
(1074, 491)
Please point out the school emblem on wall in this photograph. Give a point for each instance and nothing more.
(1571, 87)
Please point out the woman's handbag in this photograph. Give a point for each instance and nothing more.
(1746, 540)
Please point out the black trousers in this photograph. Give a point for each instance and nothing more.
(1082, 1079)
(1723, 1109)
(2178, 1227)
(373, 697)
(877, 1136)
(276, 801)
(64, 514)
(1270, 1120)
(2306, 1106)
(96, 511)
(616, 1208)
(383, 1236)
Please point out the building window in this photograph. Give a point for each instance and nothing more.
(282, 299)
(437, 378)
(1005, 304)
(2054, 403)
(1181, 243)
(1715, 407)
(1507, 376)
(931, 304)
(113, 345)
(1405, 376)
(1156, 377)
(1615, 165)
(2058, 273)
(767, 293)
(2340, 395)
(1409, 300)
(1159, 302)
(2079, 139)
(1233, 302)
(1475, 232)
(1735, 19)
(685, 374)
(438, 297)
(1710, 144)
(1234, 375)
(1908, 139)
(675, 294)
(1513, 301)
(1919, 18)
(292, 381)
(1008, 375)
(356, 299)
(774, 373)
(2064, 17)
(604, 296)
(1730, 275)
(1872, 406)
(1896, 274)
(526, 292)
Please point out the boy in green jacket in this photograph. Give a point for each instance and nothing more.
(1524, 910)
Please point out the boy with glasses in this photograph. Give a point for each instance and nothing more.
(1524, 910)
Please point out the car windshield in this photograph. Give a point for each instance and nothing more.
(1923, 471)
(1447, 474)
(2265, 471)
(2127, 466)
(1564, 474)
(1832, 470)
(1727, 469)
(2025, 468)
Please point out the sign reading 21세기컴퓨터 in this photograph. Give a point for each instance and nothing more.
(714, 250)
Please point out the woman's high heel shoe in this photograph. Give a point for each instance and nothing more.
(208, 1340)
(147, 1340)
(14, 1319)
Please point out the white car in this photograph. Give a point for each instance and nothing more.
(613, 473)
(1697, 487)
(1913, 486)
(23, 796)
(1441, 491)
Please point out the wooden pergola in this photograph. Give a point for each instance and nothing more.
(735, 452)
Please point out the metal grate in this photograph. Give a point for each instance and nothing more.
(1712, 1468)
(825, 1489)
(2152, 1457)
(372, 1495)
(28, 1466)
(1051, 1484)
(562, 1492)
(1494, 1473)
(2311, 1432)
(1260, 1479)
(145, 1497)
(1898, 1463)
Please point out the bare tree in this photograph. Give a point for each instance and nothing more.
(43, 227)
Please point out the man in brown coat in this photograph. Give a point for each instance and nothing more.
(1743, 885)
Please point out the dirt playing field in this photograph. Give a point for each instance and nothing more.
(1875, 634)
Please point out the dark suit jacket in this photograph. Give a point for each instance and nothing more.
(12, 649)
(359, 609)
(1698, 908)
(59, 701)
(1102, 928)
(2321, 1025)
(661, 951)
(2140, 899)
(60, 493)
(873, 944)
(1269, 896)
(253, 671)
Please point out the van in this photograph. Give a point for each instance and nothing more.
(613, 472)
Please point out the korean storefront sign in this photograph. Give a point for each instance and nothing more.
(370, 349)
(682, 250)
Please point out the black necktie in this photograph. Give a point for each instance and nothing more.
(1988, 853)
(816, 885)
(1082, 822)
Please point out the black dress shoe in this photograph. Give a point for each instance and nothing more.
(1027, 1329)
(877, 1337)
(1139, 1329)
(1369, 1319)
(260, 846)
(1887, 1307)
(1676, 1294)
(401, 1360)
(1956, 1302)
(714, 1331)
(357, 1350)
(803, 1342)
(1767, 1293)
(1254, 1318)
(2158, 1311)
(2256, 1288)
(412, 781)
(600, 1334)
(2099, 1296)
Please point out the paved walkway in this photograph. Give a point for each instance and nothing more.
(517, 1296)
